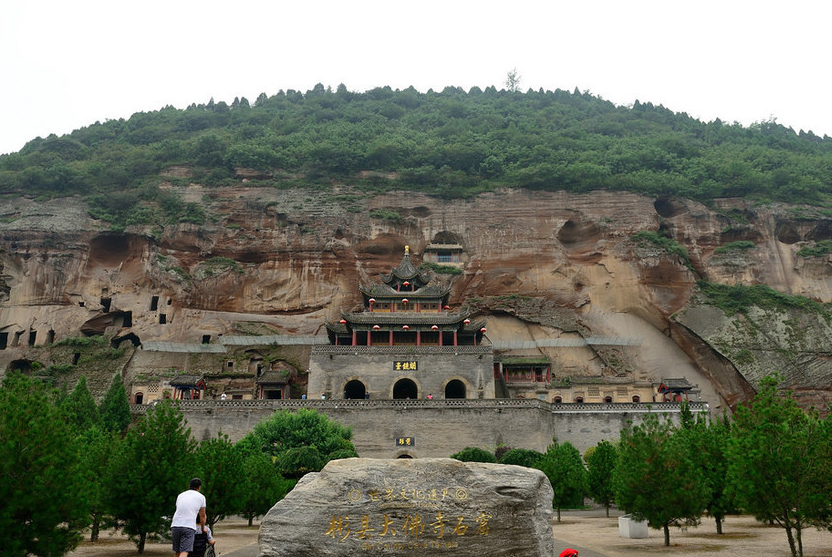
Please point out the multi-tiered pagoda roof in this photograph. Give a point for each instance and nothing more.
(405, 309)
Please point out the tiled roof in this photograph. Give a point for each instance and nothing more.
(272, 377)
(385, 291)
(185, 380)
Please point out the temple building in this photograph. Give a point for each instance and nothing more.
(404, 343)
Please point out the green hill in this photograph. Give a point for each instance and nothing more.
(450, 143)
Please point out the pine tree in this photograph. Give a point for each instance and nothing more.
(779, 460)
(114, 409)
(656, 480)
(262, 485)
(563, 466)
(80, 407)
(154, 464)
(220, 466)
(601, 463)
(42, 502)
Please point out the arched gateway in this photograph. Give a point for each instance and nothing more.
(354, 390)
(405, 388)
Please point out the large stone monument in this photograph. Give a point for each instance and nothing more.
(419, 507)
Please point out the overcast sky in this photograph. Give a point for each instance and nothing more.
(65, 64)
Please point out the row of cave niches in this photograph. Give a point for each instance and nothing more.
(120, 319)
(106, 306)
(15, 340)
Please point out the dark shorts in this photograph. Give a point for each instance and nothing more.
(183, 539)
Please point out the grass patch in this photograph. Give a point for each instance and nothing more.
(733, 299)
(441, 269)
(386, 215)
(646, 238)
(738, 246)
(824, 247)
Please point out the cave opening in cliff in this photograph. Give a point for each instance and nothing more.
(22, 366)
(154, 303)
(4, 340)
(405, 388)
(105, 304)
(132, 337)
(33, 337)
(354, 389)
(669, 208)
(455, 389)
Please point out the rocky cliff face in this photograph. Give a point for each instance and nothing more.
(539, 265)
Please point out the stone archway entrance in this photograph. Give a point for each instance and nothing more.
(405, 388)
(455, 389)
(354, 389)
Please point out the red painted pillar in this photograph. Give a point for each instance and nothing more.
(391, 337)
(369, 339)
(440, 338)
(418, 338)
(455, 338)
(354, 337)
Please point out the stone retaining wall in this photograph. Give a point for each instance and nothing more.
(436, 428)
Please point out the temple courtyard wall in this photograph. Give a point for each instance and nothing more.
(436, 428)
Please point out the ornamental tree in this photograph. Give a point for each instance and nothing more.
(563, 466)
(601, 464)
(656, 480)
(300, 442)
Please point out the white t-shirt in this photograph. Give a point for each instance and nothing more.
(188, 504)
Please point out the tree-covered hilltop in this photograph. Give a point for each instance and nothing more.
(450, 143)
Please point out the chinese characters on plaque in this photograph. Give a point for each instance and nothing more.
(408, 365)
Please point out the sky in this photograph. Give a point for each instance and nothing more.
(67, 64)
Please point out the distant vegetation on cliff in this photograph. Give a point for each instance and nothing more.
(449, 143)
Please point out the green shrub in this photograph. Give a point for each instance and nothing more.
(820, 249)
(521, 457)
(441, 269)
(739, 298)
(82, 341)
(740, 245)
(474, 454)
(386, 215)
(648, 237)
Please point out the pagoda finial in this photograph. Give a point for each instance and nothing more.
(407, 250)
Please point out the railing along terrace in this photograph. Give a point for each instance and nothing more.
(290, 404)
(399, 349)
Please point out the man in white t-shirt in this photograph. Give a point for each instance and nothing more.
(189, 505)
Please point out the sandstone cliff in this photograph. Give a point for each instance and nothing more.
(538, 265)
